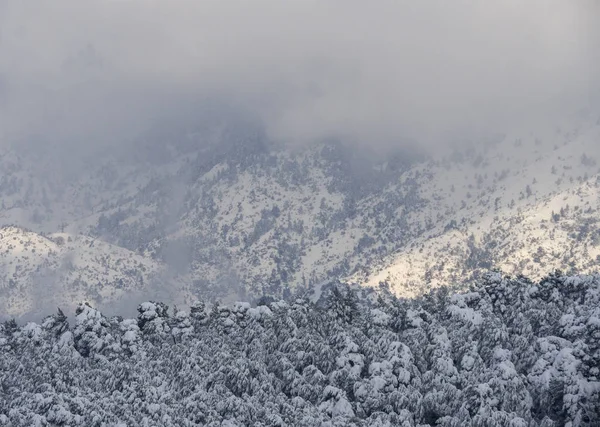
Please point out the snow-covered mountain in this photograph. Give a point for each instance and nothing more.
(39, 270)
(526, 204)
(225, 212)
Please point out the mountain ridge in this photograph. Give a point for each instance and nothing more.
(228, 214)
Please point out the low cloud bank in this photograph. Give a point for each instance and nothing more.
(84, 74)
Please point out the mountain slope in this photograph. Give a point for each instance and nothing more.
(524, 205)
(225, 212)
(38, 271)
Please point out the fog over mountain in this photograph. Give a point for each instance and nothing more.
(201, 149)
(80, 75)
(361, 213)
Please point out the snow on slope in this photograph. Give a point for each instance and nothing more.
(63, 268)
(243, 214)
(527, 205)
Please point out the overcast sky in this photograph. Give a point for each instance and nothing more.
(379, 72)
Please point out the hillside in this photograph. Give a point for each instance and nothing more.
(229, 213)
(524, 204)
(37, 272)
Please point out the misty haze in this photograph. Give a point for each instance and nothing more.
(299, 213)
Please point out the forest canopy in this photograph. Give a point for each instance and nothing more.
(509, 352)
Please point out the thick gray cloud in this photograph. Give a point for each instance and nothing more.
(85, 73)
